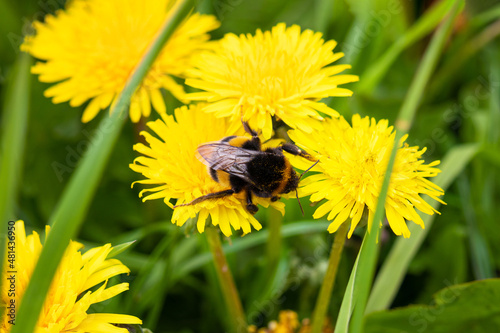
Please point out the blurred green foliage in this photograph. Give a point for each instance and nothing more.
(174, 289)
(453, 309)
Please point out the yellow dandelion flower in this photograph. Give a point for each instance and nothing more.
(170, 164)
(288, 323)
(283, 73)
(93, 47)
(69, 297)
(353, 161)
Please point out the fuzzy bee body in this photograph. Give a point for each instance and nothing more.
(238, 162)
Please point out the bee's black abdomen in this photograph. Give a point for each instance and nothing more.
(266, 171)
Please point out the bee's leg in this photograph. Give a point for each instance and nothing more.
(294, 150)
(251, 207)
(245, 124)
(248, 129)
(209, 196)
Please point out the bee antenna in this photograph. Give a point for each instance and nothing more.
(297, 193)
(300, 205)
(308, 169)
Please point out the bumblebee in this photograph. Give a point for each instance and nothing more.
(240, 163)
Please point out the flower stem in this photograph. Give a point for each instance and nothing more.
(325, 293)
(226, 282)
(14, 121)
(273, 248)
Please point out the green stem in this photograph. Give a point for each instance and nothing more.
(14, 123)
(325, 293)
(76, 199)
(226, 282)
(424, 72)
(367, 258)
(368, 254)
(274, 240)
(15, 120)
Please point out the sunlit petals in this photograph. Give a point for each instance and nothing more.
(353, 159)
(282, 73)
(92, 47)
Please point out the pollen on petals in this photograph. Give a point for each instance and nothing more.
(353, 160)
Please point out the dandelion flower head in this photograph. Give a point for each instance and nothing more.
(353, 161)
(69, 297)
(92, 47)
(282, 73)
(170, 165)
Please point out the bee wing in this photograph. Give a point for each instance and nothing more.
(223, 156)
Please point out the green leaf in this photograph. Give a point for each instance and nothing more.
(468, 308)
(425, 24)
(348, 300)
(119, 249)
(439, 261)
(323, 14)
(253, 239)
(368, 254)
(268, 287)
(14, 123)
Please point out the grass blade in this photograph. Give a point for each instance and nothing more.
(76, 198)
(15, 113)
(419, 30)
(403, 123)
(342, 324)
(15, 119)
